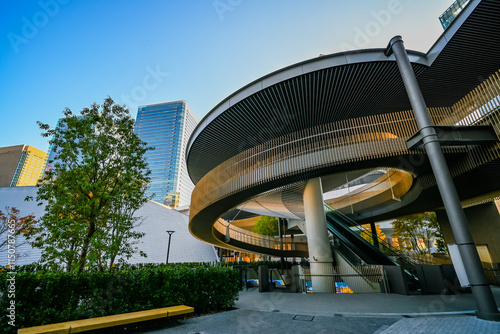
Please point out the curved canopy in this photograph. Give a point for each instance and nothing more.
(347, 85)
(342, 113)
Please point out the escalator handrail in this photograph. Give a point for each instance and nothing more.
(332, 223)
(407, 265)
(387, 247)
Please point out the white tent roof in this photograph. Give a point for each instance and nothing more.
(157, 219)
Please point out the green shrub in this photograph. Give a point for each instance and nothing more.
(44, 297)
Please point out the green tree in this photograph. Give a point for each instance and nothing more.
(267, 226)
(367, 233)
(415, 232)
(98, 180)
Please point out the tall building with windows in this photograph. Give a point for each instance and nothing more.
(21, 165)
(167, 127)
(452, 12)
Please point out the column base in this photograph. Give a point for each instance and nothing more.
(488, 316)
(320, 283)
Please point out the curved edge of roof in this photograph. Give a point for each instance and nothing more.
(445, 37)
(327, 61)
(295, 70)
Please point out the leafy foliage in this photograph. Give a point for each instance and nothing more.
(267, 226)
(11, 223)
(97, 182)
(416, 232)
(367, 233)
(45, 297)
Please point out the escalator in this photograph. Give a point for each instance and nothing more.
(351, 237)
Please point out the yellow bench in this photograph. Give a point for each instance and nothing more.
(108, 321)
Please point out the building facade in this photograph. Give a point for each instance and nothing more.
(167, 127)
(21, 165)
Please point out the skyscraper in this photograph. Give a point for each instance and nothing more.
(452, 12)
(21, 165)
(167, 127)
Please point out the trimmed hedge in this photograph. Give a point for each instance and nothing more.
(51, 297)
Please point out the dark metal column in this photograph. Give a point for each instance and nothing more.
(487, 308)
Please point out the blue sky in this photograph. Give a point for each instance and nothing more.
(70, 53)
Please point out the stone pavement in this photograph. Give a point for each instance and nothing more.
(369, 304)
(443, 325)
(244, 321)
(280, 312)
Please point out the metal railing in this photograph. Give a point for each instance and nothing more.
(356, 279)
(400, 183)
(492, 272)
(242, 235)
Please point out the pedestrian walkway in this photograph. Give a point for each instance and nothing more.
(371, 304)
(281, 312)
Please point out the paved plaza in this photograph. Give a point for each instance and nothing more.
(281, 312)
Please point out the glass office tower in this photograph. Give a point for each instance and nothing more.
(167, 127)
(452, 12)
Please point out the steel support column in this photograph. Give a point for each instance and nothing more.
(487, 308)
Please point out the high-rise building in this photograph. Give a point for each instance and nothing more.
(167, 127)
(21, 165)
(452, 12)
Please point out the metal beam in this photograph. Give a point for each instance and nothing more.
(458, 135)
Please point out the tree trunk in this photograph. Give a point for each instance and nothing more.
(85, 247)
(111, 261)
(70, 259)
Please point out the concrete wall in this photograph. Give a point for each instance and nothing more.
(9, 158)
(484, 223)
